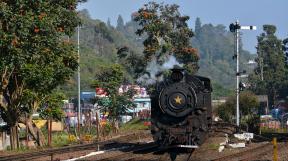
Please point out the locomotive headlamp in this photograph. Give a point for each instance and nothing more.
(177, 74)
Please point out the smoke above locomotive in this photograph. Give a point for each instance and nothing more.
(154, 70)
(181, 111)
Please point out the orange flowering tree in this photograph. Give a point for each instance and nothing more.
(167, 33)
(33, 55)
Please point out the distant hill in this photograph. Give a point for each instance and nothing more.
(99, 42)
(216, 48)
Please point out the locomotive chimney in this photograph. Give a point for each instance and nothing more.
(177, 73)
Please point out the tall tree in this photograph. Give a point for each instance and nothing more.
(120, 23)
(109, 23)
(270, 74)
(285, 48)
(284, 91)
(110, 79)
(167, 33)
(197, 27)
(34, 52)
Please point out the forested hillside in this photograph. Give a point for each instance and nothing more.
(100, 41)
(216, 47)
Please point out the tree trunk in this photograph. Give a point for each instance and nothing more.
(35, 132)
(115, 126)
(97, 125)
(14, 141)
(49, 124)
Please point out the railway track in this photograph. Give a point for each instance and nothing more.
(51, 152)
(246, 154)
(124, 150)
(148, 151)
(130, 153)
(108, 144)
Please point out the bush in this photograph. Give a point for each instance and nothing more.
(134, 124)
(248, 106)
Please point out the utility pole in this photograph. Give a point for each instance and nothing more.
(78, 76)
(235, 29)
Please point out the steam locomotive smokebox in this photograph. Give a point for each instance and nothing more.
(181, 109)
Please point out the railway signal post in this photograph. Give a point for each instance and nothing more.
(235, 27)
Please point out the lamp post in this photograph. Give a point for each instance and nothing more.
(78, 78)
(235, 29)
(79, 117)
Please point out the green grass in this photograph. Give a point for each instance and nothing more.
(59, 139)
(270, 130)
(134, 124)
(21, 149)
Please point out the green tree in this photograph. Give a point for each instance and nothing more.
(110, 79)
(51, 108)
(120, 23)
(32, 45)
(248, 104)
(131, 61)
(219, 91)
(197, 27)
(167, 33)
(109, 23)
(283, 93)
(285, 48)
(270, 75)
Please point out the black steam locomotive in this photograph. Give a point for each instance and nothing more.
(181, 112)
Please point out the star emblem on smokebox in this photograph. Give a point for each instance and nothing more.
(178, 100)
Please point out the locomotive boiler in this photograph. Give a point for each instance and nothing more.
(181, 112)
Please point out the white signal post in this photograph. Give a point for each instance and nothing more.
(235, 28)
(248, 27)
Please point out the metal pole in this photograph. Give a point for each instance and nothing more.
(79, 101)
(237, 74)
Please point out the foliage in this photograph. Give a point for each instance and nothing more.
(52, 107)
(226, 111)
(132, 62)
(134, 124)
(110, 79)
(270, 75)
(285, 49)
(167, 33)
(61, 139)
(106, 129)
(214, 43)
(120, 23)
(34, 52)
(216, 47)
(220, 91)
(98, 47)
(248, 104)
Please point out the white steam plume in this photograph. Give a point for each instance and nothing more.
(154, 71)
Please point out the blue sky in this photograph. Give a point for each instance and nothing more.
(248, 12)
